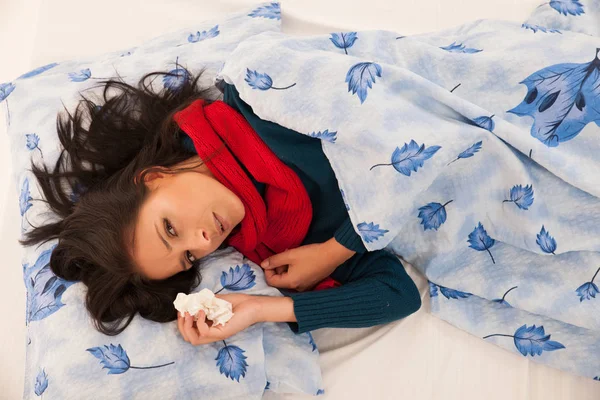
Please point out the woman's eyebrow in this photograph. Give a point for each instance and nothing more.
(167, 245)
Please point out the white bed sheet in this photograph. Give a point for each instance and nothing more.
(418, 358)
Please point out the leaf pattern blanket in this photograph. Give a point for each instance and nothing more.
(473, 153)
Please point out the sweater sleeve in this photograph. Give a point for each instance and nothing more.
(347, 237)
(375, 290)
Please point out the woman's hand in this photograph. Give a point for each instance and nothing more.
(304, 267)
(246, 312)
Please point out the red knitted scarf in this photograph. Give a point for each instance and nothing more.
(270, 226)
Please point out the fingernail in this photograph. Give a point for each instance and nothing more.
(265, 264)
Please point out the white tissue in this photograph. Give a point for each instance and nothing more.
(217, 310)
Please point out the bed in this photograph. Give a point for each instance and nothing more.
(420, 357)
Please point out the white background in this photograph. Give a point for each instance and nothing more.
(420, 358)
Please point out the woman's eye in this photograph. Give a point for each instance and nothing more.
(169, 228)
(190, 257)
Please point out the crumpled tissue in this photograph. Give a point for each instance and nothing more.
(217, 310)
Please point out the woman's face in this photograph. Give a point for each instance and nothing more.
(179, 221)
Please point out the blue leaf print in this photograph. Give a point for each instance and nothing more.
(521, 196)
(459, 48)
(42, 260)
(272, 11)
(453, 294)
(32, 142)
(485, 122)
(588, 290)
(256, 80)
(532, 340)
(361, 77)
(115, 359)
(199, 36)
(343, 40)
(470, 152)
(562, 99)
(565, 7)
(370, 232)
(232, 362)
(25, 198)
(546, 242)
(311, 340)
(447, 292)
(536, 28)
(80, 76)
(268, 386)
(41, 383)
(433, 215)
(480, 241)
(325, 135)
(502, 301)
(433, 289)
(320, 392)
(410, 157)
(5, 90)
(38, 71)
(45, 290)
(238, 279)
(176, 79)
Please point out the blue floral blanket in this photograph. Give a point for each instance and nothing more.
(473, 153)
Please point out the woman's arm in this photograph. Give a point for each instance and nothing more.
(275, 309)
(376, 290)
(337, 251)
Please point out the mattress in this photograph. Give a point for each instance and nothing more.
(420, 357)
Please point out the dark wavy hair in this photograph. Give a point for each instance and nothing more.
(96, 189)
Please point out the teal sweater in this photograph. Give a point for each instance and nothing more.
(375, 287)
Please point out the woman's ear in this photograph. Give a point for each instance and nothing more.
(151, 176)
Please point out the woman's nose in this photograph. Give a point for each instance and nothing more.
(202, 236)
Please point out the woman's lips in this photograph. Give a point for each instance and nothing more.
(223, 222)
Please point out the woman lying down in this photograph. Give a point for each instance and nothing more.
(163, 179)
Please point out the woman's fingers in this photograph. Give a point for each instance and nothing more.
(281, 270)
(201, 324)
(191, 332)
(180, 321)
(202, 332)
(281, 281)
